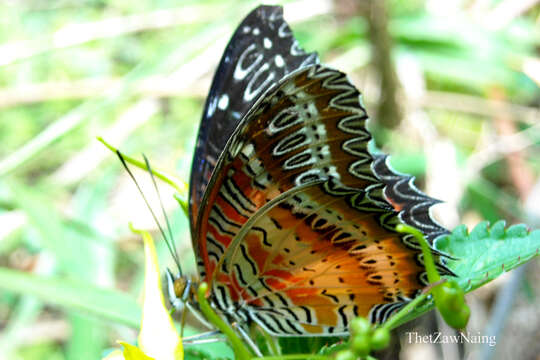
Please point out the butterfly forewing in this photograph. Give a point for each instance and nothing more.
(261, 52)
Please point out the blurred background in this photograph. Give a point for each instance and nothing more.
(452, 87)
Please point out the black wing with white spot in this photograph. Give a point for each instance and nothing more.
(260, 53)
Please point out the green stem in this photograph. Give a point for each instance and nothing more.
(183, 204)
(270, 341)
(432, 273)
(431, 270)
(179, 186)
(433, 277)
(240, 351)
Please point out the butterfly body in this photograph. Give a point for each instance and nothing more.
(292, 217)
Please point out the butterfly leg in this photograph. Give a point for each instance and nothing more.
(214, 336)
(247, 339)
(203, 338)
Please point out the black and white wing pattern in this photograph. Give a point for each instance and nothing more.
(260, 53)
(412, 204)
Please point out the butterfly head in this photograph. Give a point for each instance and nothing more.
(183, 294)
(181, 289)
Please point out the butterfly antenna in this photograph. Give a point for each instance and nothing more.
(122, 160)
(170, 245)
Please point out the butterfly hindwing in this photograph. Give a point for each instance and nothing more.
(310, 261)
(412, 204)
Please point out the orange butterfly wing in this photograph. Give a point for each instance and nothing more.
(296, 215)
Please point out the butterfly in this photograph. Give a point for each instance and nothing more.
(292, 216)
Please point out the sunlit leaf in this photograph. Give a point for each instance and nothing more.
(104, 303)
(158, 336)
(134, 353)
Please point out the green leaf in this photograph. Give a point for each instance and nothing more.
(81, 296)
(305, 345)
(486, 252)
(88, 337)
(134, 353)
(36, 204)
(482, 255)
(158, 336)
(23, 313)
(95, 265)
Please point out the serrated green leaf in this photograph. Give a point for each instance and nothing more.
(488, 251)
(482, 255)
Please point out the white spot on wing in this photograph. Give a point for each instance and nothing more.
(256, 31)
(211, 107)
(246, 29)
(236, 115)
(248, 150)
(267, 43)
(278, 59)
(223, 102)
